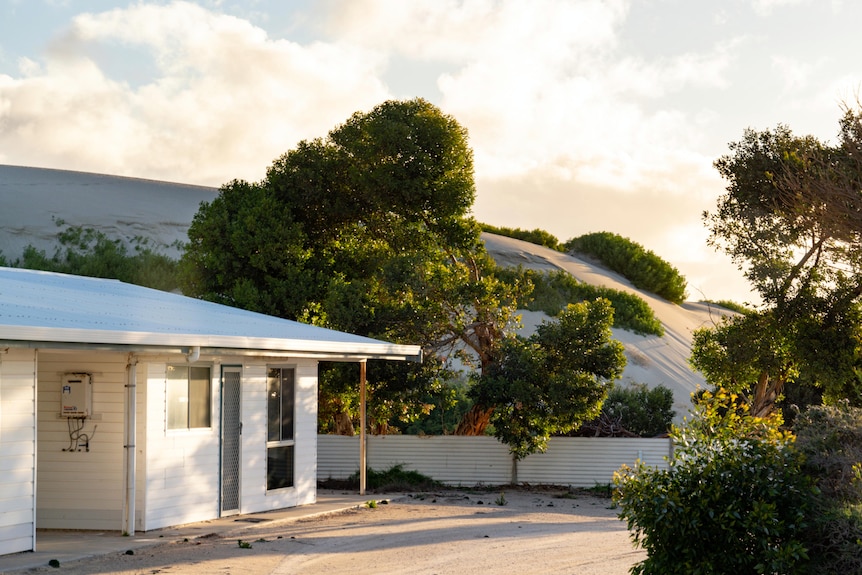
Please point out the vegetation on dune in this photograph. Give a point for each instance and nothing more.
(553, 291)
(642, 267)
(537, 236)
(89, 252)
(731, 305)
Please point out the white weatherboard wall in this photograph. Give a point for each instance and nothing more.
(81, 489)
(181, 466)
(460, 460)
(254, 496)
(17, 450)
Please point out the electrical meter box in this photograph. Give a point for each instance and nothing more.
(76, 396)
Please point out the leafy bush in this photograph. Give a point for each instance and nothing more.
(450, 402)
(642, 267)
(89, 252)
(830, 438)
(733, 500)
(643, 411)
(553, 291)
(537, 236)
(396, 478)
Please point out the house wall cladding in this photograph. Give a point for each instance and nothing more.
(459, 460)
(183, 467)
(81, 488)
(254, 496)
(17, 450)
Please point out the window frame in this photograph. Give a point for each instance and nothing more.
(284, 445)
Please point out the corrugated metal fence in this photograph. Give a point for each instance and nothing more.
(459, 460)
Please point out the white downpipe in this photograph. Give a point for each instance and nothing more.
(194, 354)
(363, 447)
(131, 412)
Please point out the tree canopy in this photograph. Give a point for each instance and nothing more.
(791, 220)
(368, 230)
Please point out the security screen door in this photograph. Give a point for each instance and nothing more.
(231, 430)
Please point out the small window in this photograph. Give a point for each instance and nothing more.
(280, 387)
(189, 402)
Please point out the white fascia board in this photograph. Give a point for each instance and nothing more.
(370, 348)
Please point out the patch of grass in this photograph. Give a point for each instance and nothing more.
(601, 490)
(396, 478)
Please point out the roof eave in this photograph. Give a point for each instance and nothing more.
(140, 342)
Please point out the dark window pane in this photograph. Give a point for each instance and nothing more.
(287, 404)
(279, 467)
(273, 405)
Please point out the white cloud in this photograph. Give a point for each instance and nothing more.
(794, 73)
(223, 101)
(766, 7)
(464, 30)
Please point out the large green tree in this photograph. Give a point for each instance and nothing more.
(367, 230)
(792, 220)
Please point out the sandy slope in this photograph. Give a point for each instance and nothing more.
(651, 360)
(34, 199)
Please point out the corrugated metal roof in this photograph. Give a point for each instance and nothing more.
(49, 307)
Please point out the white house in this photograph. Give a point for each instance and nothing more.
(127, 408)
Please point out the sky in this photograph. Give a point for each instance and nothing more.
(583, 115)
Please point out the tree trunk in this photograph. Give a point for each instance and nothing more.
(343, 424)
(475, 421)
(766, 393)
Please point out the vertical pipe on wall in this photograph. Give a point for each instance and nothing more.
(363, 453)
(35, 438)
(129, 445)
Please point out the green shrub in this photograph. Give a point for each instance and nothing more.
(641, 410)
(89, 252)
(396, 478)
(642, 267)
(830, 438)
(553, 291)
(733, 500)
(537, 236)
